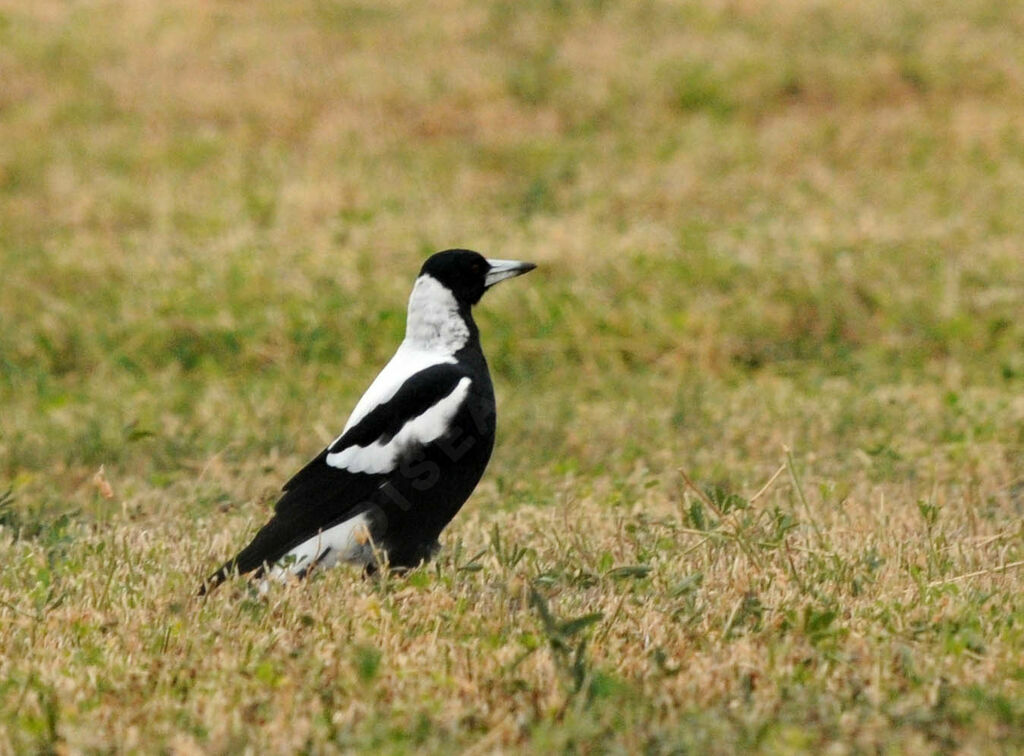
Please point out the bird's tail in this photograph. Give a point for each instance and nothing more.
(227, 570)
(215, 579)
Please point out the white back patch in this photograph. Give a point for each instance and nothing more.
(383, 456)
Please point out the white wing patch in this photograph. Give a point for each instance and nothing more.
(348, 541)
(383, 457)
(408, 360)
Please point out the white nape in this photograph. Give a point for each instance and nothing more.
(434, 323)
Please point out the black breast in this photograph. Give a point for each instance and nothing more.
(432, 483)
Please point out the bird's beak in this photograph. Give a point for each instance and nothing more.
(502, 269)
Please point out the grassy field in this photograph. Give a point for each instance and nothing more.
(759, 479)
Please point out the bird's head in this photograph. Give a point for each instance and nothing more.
(467, 274)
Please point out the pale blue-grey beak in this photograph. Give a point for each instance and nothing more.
(502, 269)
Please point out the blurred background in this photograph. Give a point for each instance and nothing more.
(757, 223)
(760, 226)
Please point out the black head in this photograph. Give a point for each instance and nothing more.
(468, 274)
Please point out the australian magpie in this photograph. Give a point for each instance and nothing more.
(413, 449)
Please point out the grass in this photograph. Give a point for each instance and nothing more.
(759, 480)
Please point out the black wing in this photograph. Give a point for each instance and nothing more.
(340, 482)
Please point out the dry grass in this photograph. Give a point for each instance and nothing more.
(761, 227)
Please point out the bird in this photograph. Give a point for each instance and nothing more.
(412, 451)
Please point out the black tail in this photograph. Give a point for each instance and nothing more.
(216, 578)
(227, 570)
(270, 544)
